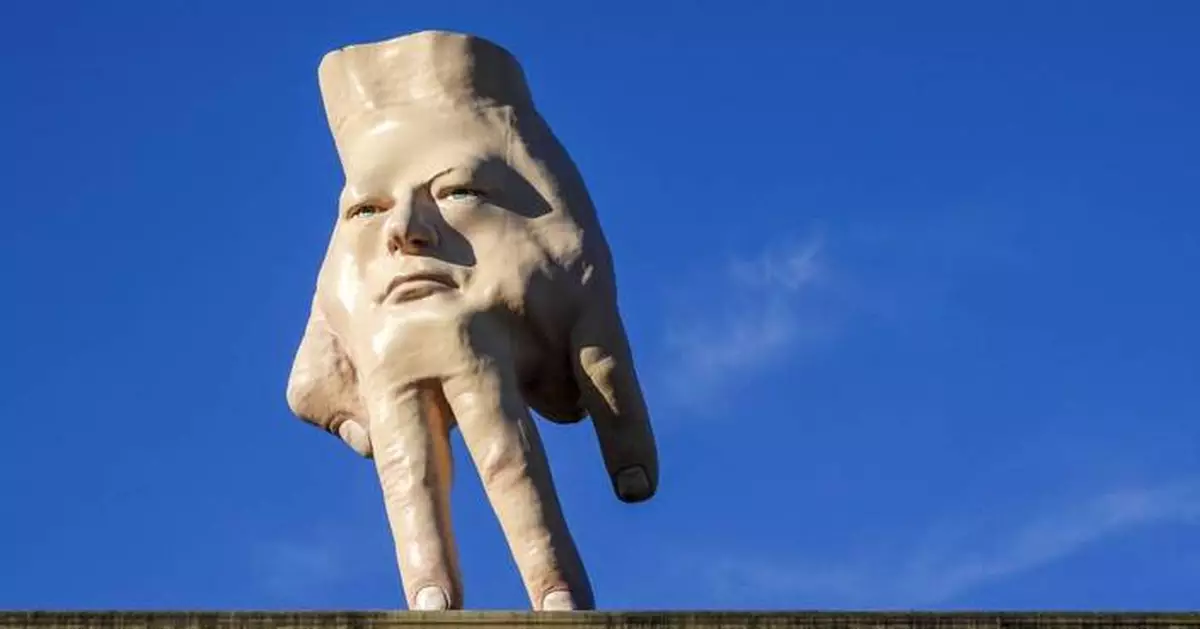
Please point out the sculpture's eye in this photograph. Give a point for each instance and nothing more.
(460, 193)
(366, 210)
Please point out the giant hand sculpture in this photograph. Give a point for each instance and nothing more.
(466, 280)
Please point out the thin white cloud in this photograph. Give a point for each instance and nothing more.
(773, 306)
(746, 318)
(939, 572)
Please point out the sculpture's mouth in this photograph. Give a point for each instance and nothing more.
(414, 286)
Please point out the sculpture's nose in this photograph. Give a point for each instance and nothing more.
(408, 231)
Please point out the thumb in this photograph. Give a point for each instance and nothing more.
(322, 387)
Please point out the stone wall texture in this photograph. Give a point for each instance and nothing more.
(597, 620)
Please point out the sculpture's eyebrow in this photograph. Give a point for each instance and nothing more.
(352, 194)
(474, 168)
(440, 173)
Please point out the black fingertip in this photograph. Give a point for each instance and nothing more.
(632, 484)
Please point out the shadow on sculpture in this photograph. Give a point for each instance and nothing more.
(466, 281)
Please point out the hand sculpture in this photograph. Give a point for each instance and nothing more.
(466, 280)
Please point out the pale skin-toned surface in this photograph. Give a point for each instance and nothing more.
(466, 281)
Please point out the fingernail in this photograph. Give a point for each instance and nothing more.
(633, 484)
(558, 601)
(432, 598)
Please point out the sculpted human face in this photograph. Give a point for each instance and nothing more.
(433, 228)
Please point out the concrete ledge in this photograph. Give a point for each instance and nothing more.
(597, 620)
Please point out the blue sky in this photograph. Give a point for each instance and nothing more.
(912, 288)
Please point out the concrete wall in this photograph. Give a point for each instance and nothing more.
(597, 620)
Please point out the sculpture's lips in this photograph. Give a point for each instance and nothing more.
(412, 286)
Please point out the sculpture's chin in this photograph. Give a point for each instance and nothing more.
(418, 333)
